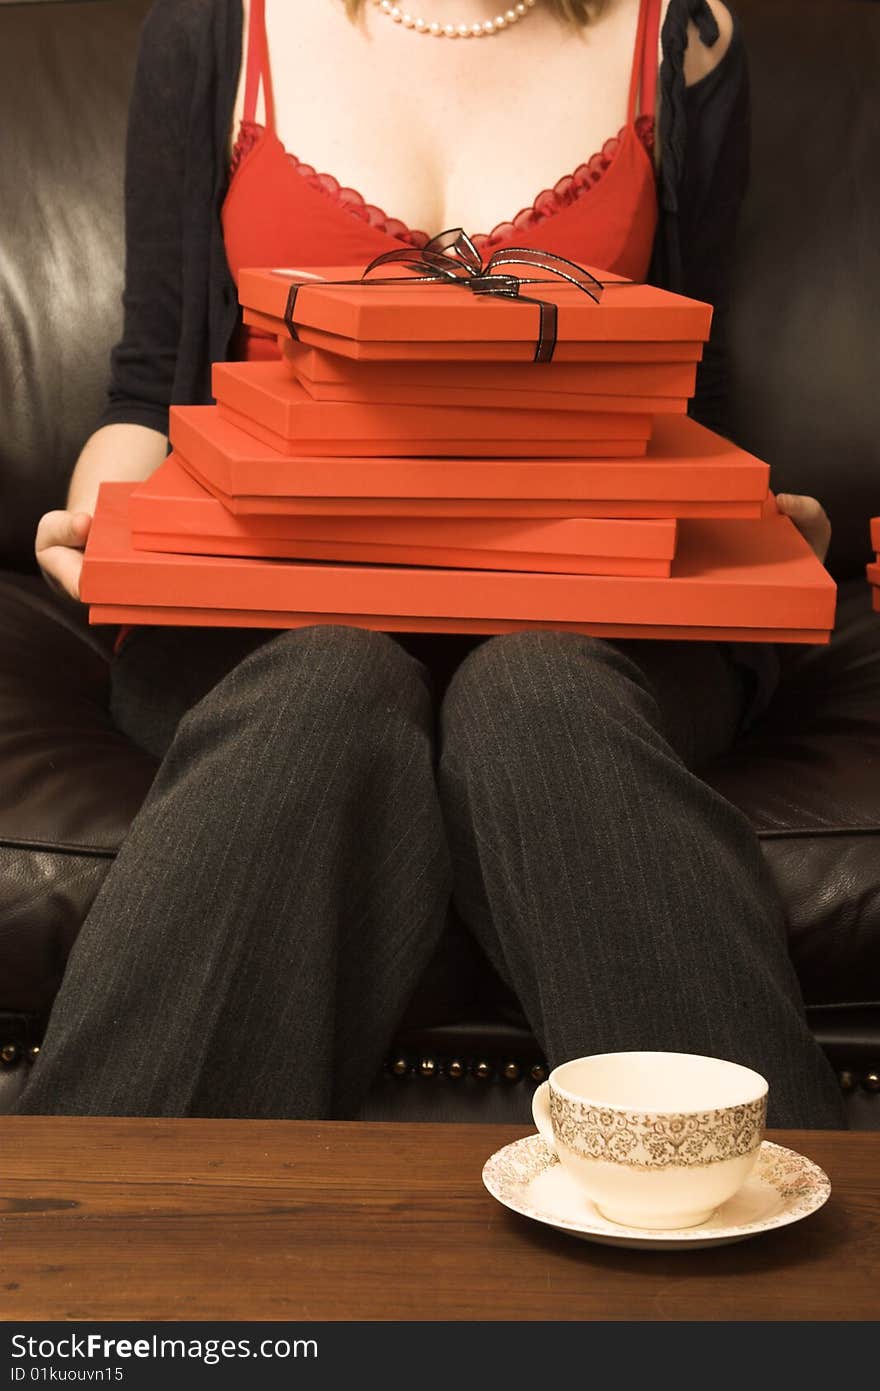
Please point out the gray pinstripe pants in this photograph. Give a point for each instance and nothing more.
(287, 879)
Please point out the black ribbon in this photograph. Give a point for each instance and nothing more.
(451, 258)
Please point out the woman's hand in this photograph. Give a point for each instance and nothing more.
(809, 517)
(61, 537)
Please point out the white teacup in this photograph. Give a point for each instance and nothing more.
(655, 1140)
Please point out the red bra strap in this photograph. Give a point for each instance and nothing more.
(650, 60)
(643, 82)
(258, 66)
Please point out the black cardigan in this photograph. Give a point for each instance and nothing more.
(180, 301)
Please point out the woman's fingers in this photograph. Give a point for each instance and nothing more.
(62, 566)
(810, 518)
(62, 529)
(58, 548)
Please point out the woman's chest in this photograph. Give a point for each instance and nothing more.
(441, 132)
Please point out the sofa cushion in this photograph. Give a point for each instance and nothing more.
(71, 785)
(808, 778)
(65, 74)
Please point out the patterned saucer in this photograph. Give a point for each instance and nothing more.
(783, 1187)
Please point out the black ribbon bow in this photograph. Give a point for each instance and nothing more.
(452, 258)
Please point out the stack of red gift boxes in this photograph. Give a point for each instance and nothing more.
(406, 465)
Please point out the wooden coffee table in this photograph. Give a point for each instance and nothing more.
(116, 1219)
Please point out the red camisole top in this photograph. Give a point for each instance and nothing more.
(279, 211)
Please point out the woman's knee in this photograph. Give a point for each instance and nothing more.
(530, 684)
(326, 674)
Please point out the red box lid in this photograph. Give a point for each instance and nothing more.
(433, 313)
(684, 462)
(556, 380)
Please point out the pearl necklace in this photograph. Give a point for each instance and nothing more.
(505, 20)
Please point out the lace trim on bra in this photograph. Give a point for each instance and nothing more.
(566, 190)
(551, 200)
(248, 135)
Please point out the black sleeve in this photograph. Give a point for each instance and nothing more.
(704, 175)
(142, 364)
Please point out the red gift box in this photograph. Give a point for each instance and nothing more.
(444, 317)
(557, 384)
(392, 623)
(391, 391)
(756, 577)
(172, 512)
(437, 449)
(522, 401)
(682, 353)
(267, 402)
(688, 470)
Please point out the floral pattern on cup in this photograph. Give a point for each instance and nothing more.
(647, 1141)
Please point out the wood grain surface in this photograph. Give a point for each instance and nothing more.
(109, 1218)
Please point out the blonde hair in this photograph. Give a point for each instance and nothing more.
(573, 11)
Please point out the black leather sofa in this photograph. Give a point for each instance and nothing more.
(805, 393)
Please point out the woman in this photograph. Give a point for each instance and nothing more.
(287, 879)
